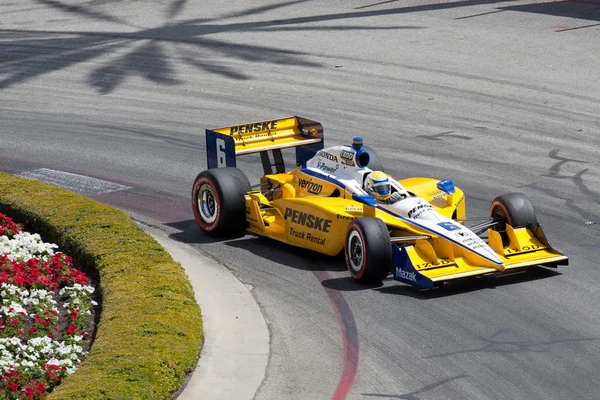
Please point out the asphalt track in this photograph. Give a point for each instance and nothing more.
(499, 96)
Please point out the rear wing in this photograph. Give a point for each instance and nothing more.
(223, 145)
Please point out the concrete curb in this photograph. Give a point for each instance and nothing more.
(235, 353)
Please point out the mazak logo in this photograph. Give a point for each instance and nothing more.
(327, 155)
(409, 276)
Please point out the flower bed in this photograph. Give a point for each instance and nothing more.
(45, 314)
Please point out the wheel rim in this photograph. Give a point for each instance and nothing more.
(207, 205)
(355, 251)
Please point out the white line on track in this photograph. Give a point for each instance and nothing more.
(73, 182)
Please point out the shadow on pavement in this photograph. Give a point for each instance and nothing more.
(583, 9)
(347, 284)
(149, 52)
(413, 395)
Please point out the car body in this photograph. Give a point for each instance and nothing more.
(321, 205)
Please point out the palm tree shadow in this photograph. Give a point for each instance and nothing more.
(154, 68)
(414, 395)
(27, 54)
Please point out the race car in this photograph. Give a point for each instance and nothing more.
(340, 199)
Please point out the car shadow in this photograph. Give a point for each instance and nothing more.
(302, 259)
(288, 255)
(459, 286)
(190, 233)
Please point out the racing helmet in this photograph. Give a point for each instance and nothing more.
(378, 185)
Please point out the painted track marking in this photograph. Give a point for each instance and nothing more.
(73, 182)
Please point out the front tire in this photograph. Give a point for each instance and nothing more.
(514, 209)
(368, 250)
(218, 201)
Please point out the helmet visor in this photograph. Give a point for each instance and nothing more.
(382, 188)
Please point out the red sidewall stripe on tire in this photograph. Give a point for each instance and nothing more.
(199, 182)
(506, 214)
(364, 253)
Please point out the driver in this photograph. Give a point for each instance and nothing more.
(377, 185)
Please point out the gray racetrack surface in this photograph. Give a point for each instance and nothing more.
(499, 96)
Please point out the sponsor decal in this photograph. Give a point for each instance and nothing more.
(353, 208)
(257, 127)
(347, 155)
(327, 155)
(408, 275)
(324, 167)
(308, 220)
(347, 158)
(459, 201)
(258, 135)
(438, 264)
(532, 247)
(438, 194)
(307, 236)
(310, 186)
(418, 210)
(346, 217)
(473, 241)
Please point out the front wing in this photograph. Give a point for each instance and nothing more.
(426, 265)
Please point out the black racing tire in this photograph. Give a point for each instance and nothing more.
(374, 161)
(368, 250)
(514, 209)
(218, 201)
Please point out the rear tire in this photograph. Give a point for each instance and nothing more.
(514, 209)
(368, 250)
(218, 201)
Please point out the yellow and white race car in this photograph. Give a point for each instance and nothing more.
(339, 199)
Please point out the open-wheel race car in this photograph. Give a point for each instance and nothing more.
(339, 199)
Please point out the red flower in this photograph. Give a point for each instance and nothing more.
(43, 280)
(71, 329)
(12, 386)
(74, 313)
(52, 376)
